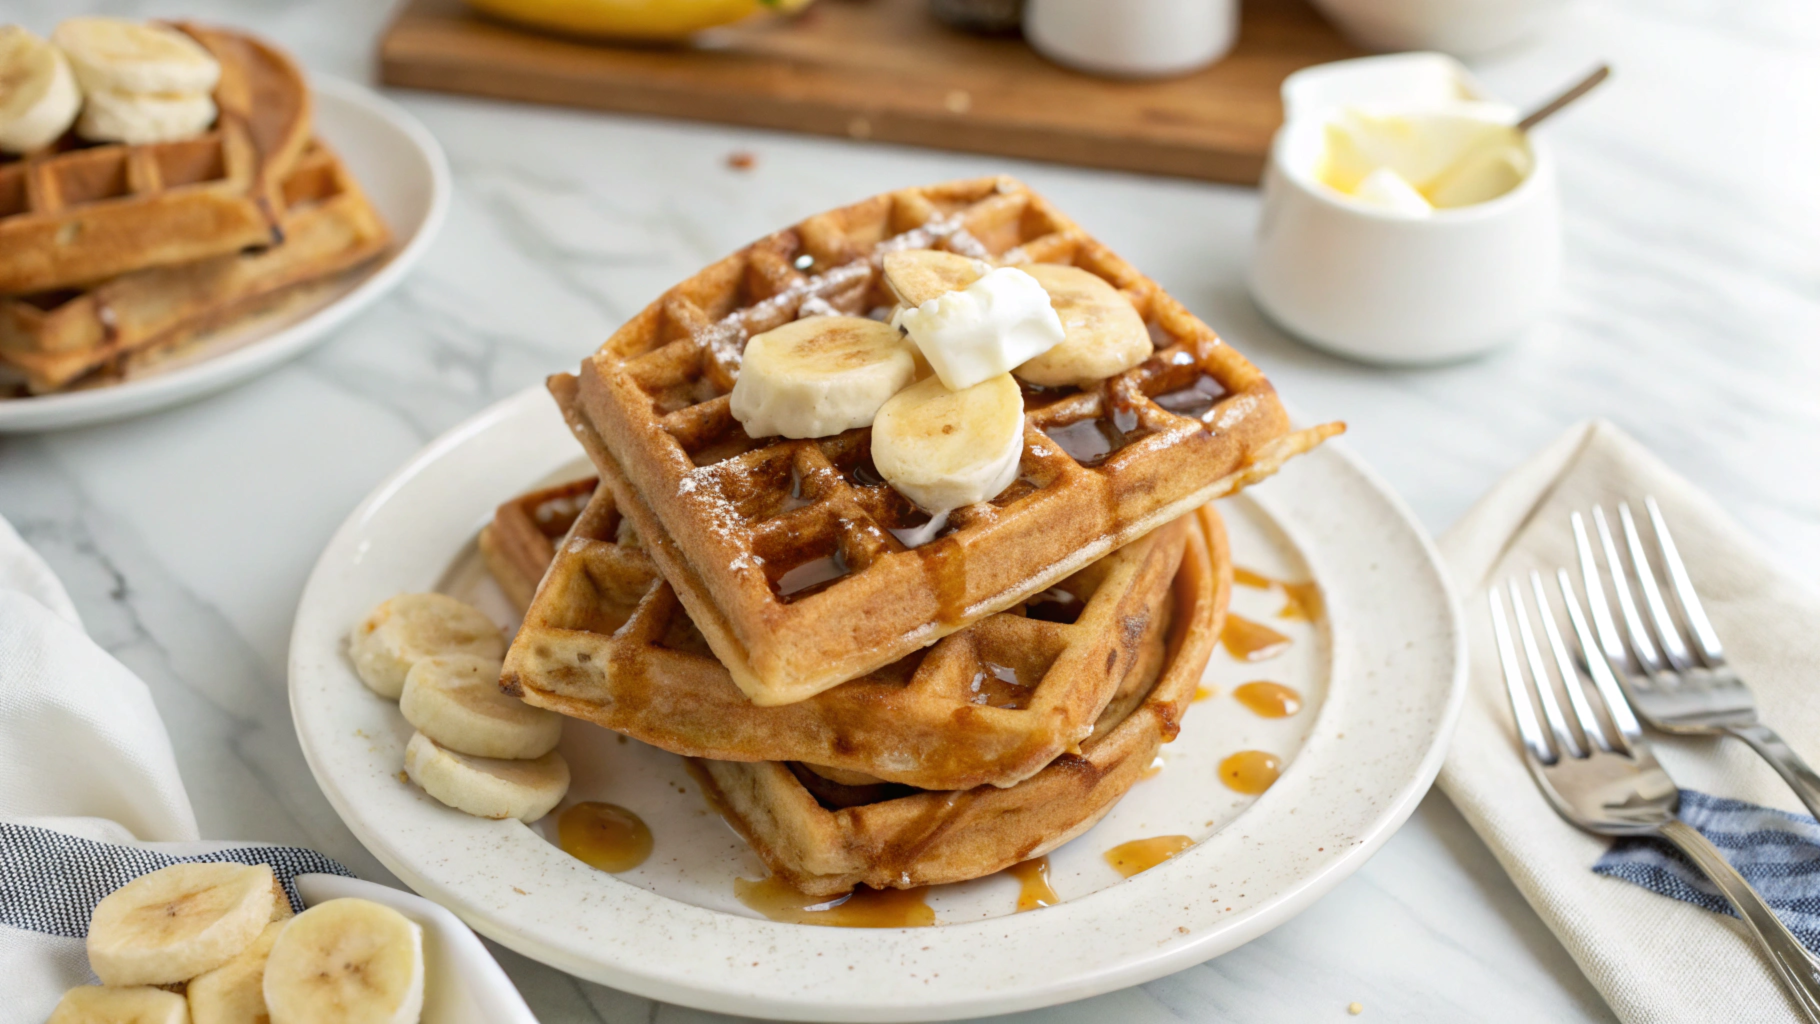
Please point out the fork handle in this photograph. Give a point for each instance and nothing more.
(1784, 760)
(1794, 966)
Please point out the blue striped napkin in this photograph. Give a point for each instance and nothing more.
(1777, 852)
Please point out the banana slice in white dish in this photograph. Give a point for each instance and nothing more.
(1000, 320)
(39, 99)
(487, 787)
(820, 375)
(349, 960)
(93, 1004)
(178, 922)
(140, 118)
(113, 54)
(234, 993)
(1104, 335)
(409, 627)
(944, 449)
(455, 700)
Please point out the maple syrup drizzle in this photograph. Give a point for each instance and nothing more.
(861, 908)
(1300, 600)
(795, 499)
(1195, 400)
(604, 836)
(1269, 700)
(946, 566)
(998, 686)
(1141, 855)
(1250, 771)
(1035, 892)
(1251, 641)
(812, 577)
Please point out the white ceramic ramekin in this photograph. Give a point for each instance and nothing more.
(1132, 38)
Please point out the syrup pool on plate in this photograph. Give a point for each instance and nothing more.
(778, 900)
(1269, 700)
(604, 836)
(1246, 640)
(1034, 890)
(1250, 771)
(1143, 854)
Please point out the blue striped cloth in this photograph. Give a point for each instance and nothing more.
(1777, 852)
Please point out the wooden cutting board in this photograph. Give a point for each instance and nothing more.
(883, 69)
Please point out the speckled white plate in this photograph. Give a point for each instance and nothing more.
(404, 174)
(1381, 674)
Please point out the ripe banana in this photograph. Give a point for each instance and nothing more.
(1000, 320)
(136, 118)
(234, 993)
(820, 375)
(487, 787)
(630, 19)
(411, 626)
(115, 55)
(178, 922)
(943, 449)
(1104, 333)
(346, 960)
(915, 276)
(92, 1004)
(38, 94)
(455, 700)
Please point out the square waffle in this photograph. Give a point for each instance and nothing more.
(744, 520)
(606, 640)
(55, 339)
(824, 838)
(73, 215)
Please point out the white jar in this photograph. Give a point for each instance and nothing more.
(1132, 38)
(1385, 287)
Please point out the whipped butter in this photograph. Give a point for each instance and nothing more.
(1414, 164)
(998, 322)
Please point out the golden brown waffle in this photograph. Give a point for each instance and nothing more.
(825, 838)
(520, 543)
(742, 518)
(606, 640)
(71, 215)
(329, 227)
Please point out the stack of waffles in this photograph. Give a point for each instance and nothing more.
(864, 704)
(115, 257)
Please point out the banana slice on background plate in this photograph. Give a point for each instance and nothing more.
(409, 627)
(1000, 320)
(1103, 333)
(178, 922)
(116, 55)
(39, 99)
(346, 960)
(234, 993)
(138, 118)
(820, 375)
(455, 700)
(487, 787)
(943, 449)
(93, 1004)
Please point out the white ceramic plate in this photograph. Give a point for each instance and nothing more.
(404, 174)
(1381, 674)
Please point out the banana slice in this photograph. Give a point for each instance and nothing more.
(1104, 334)
(38, 95)
(487, 787)
(92, 1004)
(411, 626)
(943, 449)
(234, 993)
(348, 960)
(112, 54)
(178, 922)
(999, 320)
(455, 700)
(820, 375)
(137, 118)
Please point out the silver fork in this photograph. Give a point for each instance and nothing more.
(1678, 683)
(1606, 781)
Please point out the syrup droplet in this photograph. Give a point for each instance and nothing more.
(1250, 771)
(1143, 854)
(1194, 400)
(1246, 578)
(1300, 600)
(1033, 878)
(1269, 700)
(998, 686)
(862, 908)
(1201, 693)
(604, 836)
(1251, 641)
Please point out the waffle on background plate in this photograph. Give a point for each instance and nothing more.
(731, 515)
(116, 259)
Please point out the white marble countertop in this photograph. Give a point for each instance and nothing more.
(1690, 315)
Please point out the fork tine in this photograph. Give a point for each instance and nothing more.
(1609, 638)
(1528, 729)
(1617, 707)
(1565, 740)
(1672, 646)
(1685, 594)
(1590, 726)
(1642, 648)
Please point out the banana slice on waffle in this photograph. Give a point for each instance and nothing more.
(820, 375)
(998, 320)
(38, 94)
(1104, 335)
(135, 118)
(944, 449)
(346, 960)
(116, 55)
(178, 922)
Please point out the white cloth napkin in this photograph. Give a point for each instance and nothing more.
(1655, 959)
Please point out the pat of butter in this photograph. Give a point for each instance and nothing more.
(1447, 159)
(1387, 189)
(1000, 321)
